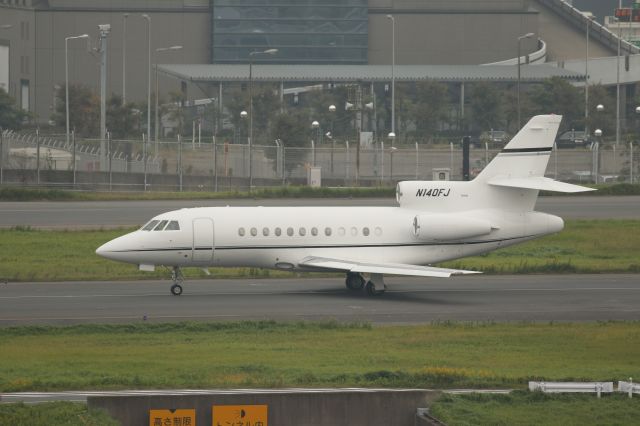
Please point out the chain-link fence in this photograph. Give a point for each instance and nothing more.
(176, 165)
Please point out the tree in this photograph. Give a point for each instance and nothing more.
(11, 116)
(84, 110)
(485, 107)
(292, 128)
(121, 120)
(430, 109)
(558, 96)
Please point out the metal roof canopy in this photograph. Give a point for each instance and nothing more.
(201, 73)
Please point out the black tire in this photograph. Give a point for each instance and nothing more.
(371, 289)
(176, 289)
(354, 282)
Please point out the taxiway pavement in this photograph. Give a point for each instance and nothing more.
(109, 214)
(407, 300)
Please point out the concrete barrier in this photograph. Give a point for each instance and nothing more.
(286, 407)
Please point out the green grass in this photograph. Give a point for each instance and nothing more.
(53, 413)
(272, 354)
(535, 408)
(30, 194)
(584, 246)
(13, 193)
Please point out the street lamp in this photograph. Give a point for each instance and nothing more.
(332, 110)
(66, 75)
(586, 76)
(393, 79)
(251, 55)
(124, 58)
(148, 19)
(159, 49)
(522, 37)
(316, 126)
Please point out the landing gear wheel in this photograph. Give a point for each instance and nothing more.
(176, 289)
(371, 289)
(354, 281)
(177, 278)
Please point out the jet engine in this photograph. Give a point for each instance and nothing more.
(440, 227)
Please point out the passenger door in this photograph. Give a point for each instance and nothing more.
(203, 242)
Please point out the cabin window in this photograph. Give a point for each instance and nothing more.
(378, 231)
(241, 232)
(161, 225)
(354, 231)
(265, 232)
(290, 232)
(278, 232)
(302, 232)
(149, 226)
(327, 231)
(254, 231)
(365, 231)
(173, 226)
(314, 231)
(341, 231)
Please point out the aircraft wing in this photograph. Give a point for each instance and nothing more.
(343, 265)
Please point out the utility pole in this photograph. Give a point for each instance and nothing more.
(105, 29)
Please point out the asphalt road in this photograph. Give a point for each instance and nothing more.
(108, 214)
(407, 300)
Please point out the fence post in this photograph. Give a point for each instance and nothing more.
(284, 164)
(381, 162)
(110, 158)
(73, 144)
(555, 159)
(348, 160)
(144, 159)
(451, 160)
(38, 156)
(1, 154)
(417, 160)
(630, 387)
(215, 165)
(630, 162)
(180, 162)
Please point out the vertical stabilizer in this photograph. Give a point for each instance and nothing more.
(527, 154)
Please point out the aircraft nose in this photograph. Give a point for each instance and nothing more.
(105, 250)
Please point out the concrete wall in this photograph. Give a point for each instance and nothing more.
(285, 408)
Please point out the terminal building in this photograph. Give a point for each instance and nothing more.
(310, 33)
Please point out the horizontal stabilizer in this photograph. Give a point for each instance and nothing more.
(380, 268)
(539, 183)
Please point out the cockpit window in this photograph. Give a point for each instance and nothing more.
(161, 225)
(173, 226)
(149, 226)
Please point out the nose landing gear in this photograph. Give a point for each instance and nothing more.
(177, 278)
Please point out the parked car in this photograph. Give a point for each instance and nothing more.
(495, 138)
(573, 138)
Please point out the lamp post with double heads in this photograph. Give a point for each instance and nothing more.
(332, 110)
(392, 134)
(66, 76)
(251, 55)
(522, 37)
(155, 133)
(124, 58)
(148, 19)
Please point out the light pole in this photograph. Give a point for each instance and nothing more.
(148, 19)
(393, 77)
(155, 134)
(586, 77)
(522, 37)
(315, 126)
(66, 76)
(251, 55)
(124, 58)
(332, 110)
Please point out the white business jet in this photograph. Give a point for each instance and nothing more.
(435, 221)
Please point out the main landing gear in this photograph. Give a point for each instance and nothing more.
(177, 278)
(373, 287)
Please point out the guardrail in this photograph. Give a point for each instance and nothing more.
(572, 387)
(629, 387)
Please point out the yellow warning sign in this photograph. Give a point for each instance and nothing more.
(239, 415)
(184, 417)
